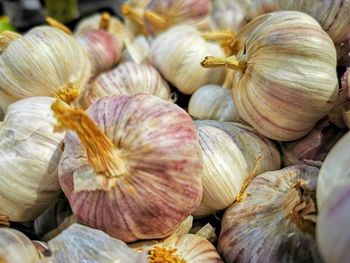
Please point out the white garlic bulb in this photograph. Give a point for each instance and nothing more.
(177, 54)
(224, 171)
(44, 62)
(29, 156)
(213, 102)
(285, 81)
(15, 247)
(79, 243)
(275, 221)
(333, 235)
(335, 171)
(126, 79)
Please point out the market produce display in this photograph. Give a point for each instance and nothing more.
(183, 132)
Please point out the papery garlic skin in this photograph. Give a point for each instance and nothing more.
(333, 235)
(175, 12)
(29, 156)
(288, 81)
(127, 79)
(15, 247)
(335, 171)
(332, 15)
(229, 15)
(79, 243)
(260, 153)
(102, 48)
(162, 158)
(41, 63)
(177, 54)
(224, 171)
(274, 222)
(212, 102)
(137, 50)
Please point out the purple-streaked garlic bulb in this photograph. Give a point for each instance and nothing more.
(177, 54)
(132, 166)
(160, 15)
(275, 219)
(43, 62)
(127, 79)
(313, 148)
(103, 48)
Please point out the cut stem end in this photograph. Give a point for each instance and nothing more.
(134, 15)
(56, 24)
(231, 62)
(101, 152)
(68, 93)
(163, 254)
(105, 21)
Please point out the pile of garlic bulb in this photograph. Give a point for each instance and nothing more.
(184, 131)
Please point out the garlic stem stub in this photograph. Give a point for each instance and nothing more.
(177, 53)
(285, 80)
(126, 79)
(275, 221)
(29, 156)
(333, 236)
(43, 62)
(133, 171)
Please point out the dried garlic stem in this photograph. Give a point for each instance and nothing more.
(224, 38)
(131, 13)
(228, 79)
(68, 93)
(101, 152)
(305, 213)
(7, 37)
(157, 21)
(56, 24)
(105, 21)
(4, 221)
(231, 62)
(163, 254)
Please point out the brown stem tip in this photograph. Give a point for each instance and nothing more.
(68, 93)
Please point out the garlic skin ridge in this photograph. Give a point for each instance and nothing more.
(29, 156)
(43, 62)
(159, 157)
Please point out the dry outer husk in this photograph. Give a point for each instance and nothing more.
(29, 155)
(275, 221)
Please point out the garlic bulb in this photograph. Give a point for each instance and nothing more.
(54, 220)
(260, 153)
(29, 156)
(15, 247)
(275, 222)
(213, 102)
(224, 170)
(116, 27)
(333, 236)
(160, 15)
(229, 15)
(126, 79)
(103, 48)
(313, 148)
(141, 146)
(79, 243)
(43, 62)
(333, 16)
(177, 53)
(187, 248)
(285, 80)
(335, 171)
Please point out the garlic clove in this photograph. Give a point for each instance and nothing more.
(126, 79)
(29, 157)
(275, 222)
(314, 146)
(333, 236)
(224, 171)
(177, 53)
(57, 66)
(277, 87)
(15, 247)
(141, 146)
(79, 243)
